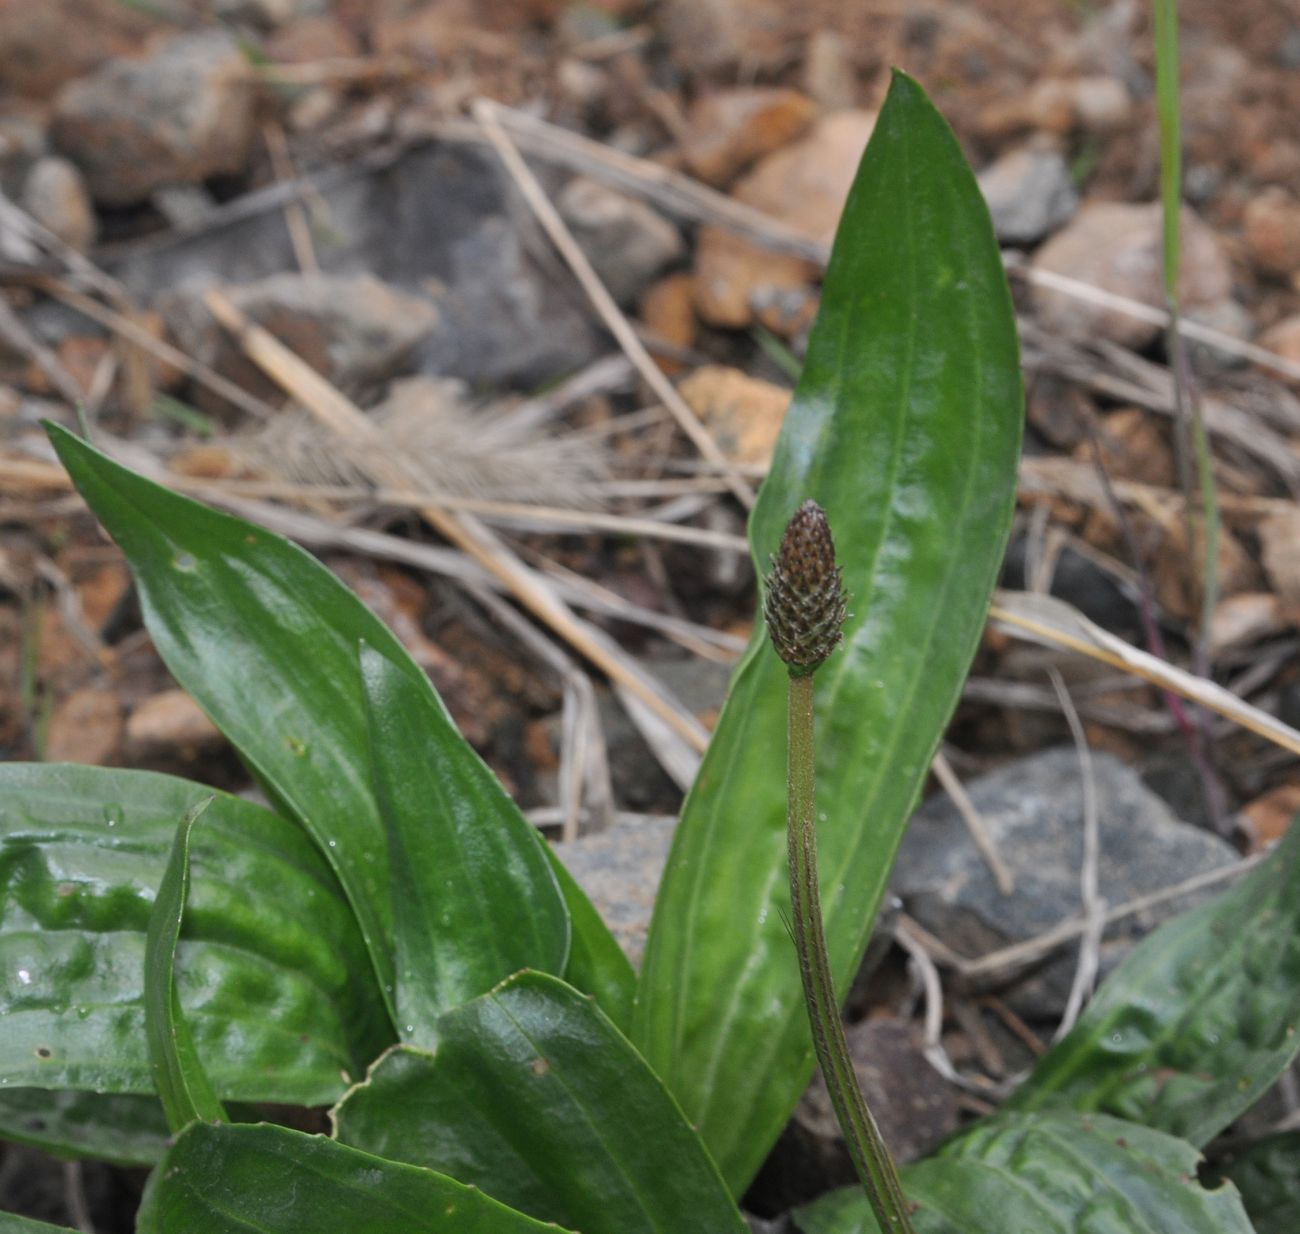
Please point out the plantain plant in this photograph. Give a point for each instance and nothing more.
(391, 939)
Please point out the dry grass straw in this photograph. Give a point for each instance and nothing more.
(348, 424)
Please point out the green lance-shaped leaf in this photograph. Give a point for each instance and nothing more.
(274, 979)
(124, 1129)
(474, 896)
(12, 1223)
(534, 1096)
(906, 429)
(238, 1178)
(265, 638)
(1198, 1021)
(183, 1086)
(1267, 1173)
(1051, 1173)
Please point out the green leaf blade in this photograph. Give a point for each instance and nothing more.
(906, 428)
(12, 1223)
(1051, 1173)
(274, 978)
(236, 1178)
(1198, 1021)
(122, 1129)
(265, 639)
(474, 896)
(183, 1086)
(533, 1095)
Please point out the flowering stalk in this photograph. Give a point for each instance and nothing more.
(805, 609)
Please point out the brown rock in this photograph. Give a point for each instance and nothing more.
(59, 653)
(179, 115)
(711, 34)
(163, 374)
(1271, 229)
(438, 32)
(727, 131)
(1279, 543)
(807, 183)
(22, 132)
(1116, 247)
(1269, 816)
(786, 311)
(81, 355)
(1132, 447)
(101, 591)
(55, 195)
(915, 1110)
(170, 722)
(1101, 104)
(1060, 105)
(829, 77)
(743, 414)
(44, 43)
(1047, 106)
(1246, 618)
(1177, 572)
(314, 38)
(668, 311)
(730, 273)
(1284, 338)
(85, 727)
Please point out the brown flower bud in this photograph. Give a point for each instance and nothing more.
(805, 602)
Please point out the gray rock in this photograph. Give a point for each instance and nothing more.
(640, 781)
(1029, 193)
(914, 1110)
(619, 869)
(178, 116)
(626, 241)
(355, 330)
(1116, 246)
(1228, 317)
(437, 222)
(1033, 809)
(55, 195)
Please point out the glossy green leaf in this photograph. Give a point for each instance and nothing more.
(183, 1086)
(239, 1178)
(265, 638)
(1198, 1021)
(597, 964)
(533, 1095)
(125, 1129)
(906, 428)
(1052, 1173)
(12, 1223)
(474, 898)
(273, 975)
(1267, 1173)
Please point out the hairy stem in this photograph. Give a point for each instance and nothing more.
(867, 1149)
